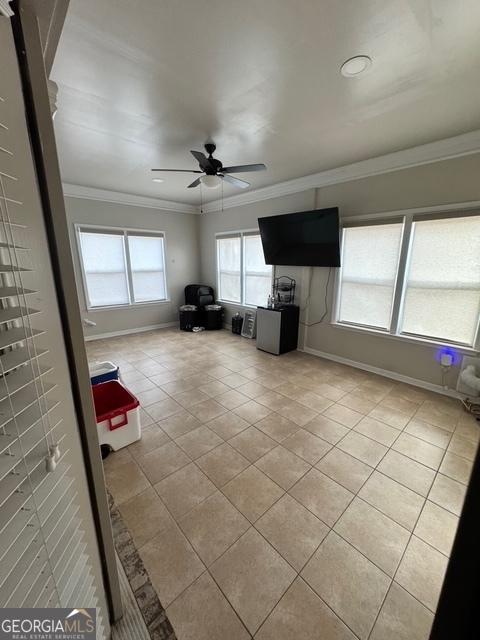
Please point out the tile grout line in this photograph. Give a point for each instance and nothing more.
(368, 559)
(251, 526)
(298, 573)
(286, 491)
(437, 472)
(406, 547)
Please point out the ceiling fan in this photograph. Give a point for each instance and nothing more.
(213, 171)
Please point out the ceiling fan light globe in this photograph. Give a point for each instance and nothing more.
(211, 182)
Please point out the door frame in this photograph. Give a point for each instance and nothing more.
(42, 139)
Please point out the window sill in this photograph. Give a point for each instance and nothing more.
(237, 304)
(409, 339)
(125, 307)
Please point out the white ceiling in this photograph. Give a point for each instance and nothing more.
(142, 81)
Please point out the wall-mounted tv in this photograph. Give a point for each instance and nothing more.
(305, 239)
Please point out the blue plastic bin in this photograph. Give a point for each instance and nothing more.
(103, 372)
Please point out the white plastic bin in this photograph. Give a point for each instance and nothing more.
(118, 415)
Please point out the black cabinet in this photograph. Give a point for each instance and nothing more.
(277, 329)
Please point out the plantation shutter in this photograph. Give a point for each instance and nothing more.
(48, 554)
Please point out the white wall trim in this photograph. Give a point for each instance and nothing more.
(383, 372)
(454, 207)
(454, 147)
(129, 199)
(125, 332)
(462, 145)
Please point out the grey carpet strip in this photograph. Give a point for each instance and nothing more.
(153, 613)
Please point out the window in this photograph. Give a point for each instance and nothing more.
(442, 291)
(229, 263)
(147, 268)
(415, 277)
(122, 267)
(369, 269)
(104, 266)
(257, 274)
(242, 275)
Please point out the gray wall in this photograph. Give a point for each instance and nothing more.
(182, 259)
(451, 181)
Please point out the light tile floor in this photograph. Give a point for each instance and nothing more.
(277, 497)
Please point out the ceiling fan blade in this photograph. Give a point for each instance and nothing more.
(241, 168)
(241, 184)
(201, 158)
(179, 170)
(195, 183)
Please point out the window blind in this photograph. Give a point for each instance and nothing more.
(147, 267)
(122, 266)
(242, 275)
(46, 557)
(258, 275)
(104, 265)
(442, 293)
(229, 264)
(5, 9)
(369, 268)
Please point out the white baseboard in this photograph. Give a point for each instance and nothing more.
(126, 332)
(383, 372)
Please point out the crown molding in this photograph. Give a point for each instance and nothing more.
(457, 146)
(117, 197)
(462, 145)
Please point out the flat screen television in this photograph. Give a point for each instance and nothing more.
(305, 239)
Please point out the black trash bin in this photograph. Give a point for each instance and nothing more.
(237, 323)
(189, 317)
(212, 316)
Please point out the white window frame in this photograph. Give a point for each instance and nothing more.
(407, 217)
(121, 231)
(241, 235)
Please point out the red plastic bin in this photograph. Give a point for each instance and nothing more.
(117, 413)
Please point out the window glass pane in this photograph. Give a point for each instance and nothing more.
(228, 265)
(229, 286)
(258, 275)
(369, 270)
(257, 290)
(442, 295)
(146, 260)
(103, 258)
(148, 286)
